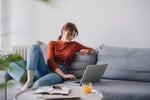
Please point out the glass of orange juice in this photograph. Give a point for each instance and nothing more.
(87, 87)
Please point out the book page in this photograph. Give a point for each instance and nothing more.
(53, 90)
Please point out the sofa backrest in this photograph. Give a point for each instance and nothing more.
(125, 63)
(43, 47)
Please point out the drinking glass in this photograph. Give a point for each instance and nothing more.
(87, 87)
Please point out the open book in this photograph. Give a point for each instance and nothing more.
(53, 90)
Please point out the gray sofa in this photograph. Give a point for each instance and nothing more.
(127, 76)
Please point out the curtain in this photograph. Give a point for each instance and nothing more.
(0, 24)
(5, 19)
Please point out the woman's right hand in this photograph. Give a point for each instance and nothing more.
(70, 76)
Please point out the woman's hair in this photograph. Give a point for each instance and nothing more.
(69, 26)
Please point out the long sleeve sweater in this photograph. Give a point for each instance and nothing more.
(60, 52)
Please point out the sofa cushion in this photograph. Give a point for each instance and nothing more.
(16, 70)
(125, 63)
(80, 62)
(123, 90)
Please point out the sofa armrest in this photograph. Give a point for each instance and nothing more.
(2, 88)
(2, 76)
(7, 77)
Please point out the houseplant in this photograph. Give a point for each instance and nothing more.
(5, 60)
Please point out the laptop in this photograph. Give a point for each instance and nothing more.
(92, 73)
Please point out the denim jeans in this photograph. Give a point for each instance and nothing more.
(36, 63)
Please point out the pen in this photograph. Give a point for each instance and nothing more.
(44, 93)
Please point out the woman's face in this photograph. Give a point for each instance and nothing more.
(68, 36)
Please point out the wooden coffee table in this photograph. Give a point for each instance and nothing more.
(76, 91)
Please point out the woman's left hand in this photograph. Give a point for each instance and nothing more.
(83, 51)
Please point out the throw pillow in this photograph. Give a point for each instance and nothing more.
(80, 62)
(17, 70)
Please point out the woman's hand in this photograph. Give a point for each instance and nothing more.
(70, 76)
(83, 51)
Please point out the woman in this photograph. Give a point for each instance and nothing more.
(59, 57)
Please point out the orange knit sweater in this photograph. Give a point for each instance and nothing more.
(60, 52)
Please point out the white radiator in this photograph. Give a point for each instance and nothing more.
(22, 50)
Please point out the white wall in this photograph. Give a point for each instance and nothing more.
(22, 24)
(112, 22)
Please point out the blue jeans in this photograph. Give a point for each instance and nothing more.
(36, 63)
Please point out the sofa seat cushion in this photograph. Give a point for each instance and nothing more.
(123, 90)
(125, 63)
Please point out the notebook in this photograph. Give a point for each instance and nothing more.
(92, 73)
